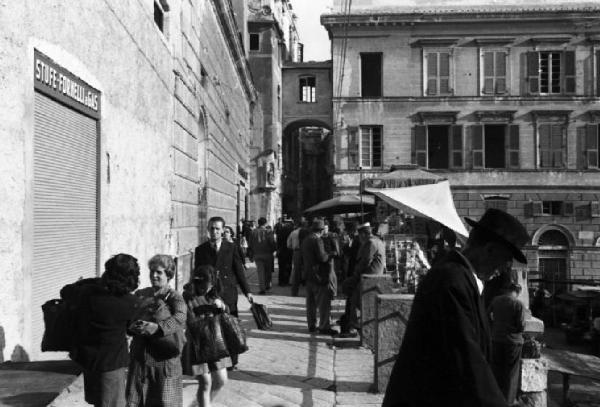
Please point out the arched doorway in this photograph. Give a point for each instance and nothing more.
(307, 154)
(553, 254)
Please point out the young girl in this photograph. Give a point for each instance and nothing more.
(202, 299)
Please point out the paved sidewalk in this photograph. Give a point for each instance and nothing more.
(286, 366)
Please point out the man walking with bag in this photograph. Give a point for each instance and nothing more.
(445, 352)
(321, 283)
(224, 256)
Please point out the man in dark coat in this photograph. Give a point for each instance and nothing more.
(320, 280)
(444, 356)
(224, 256)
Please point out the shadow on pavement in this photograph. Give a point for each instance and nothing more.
(305, 382)
(50, 366)
(29, 399)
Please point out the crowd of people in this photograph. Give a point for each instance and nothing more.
(448, 345)
(172, 333)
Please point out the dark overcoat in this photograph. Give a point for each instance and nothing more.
(101, 322)
(443, 359)
(231, 270)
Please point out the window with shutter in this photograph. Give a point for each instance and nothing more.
(370, 146)
(494, 72)
(537, 208)
(551, 145)
(528, 209)
(595, 209)
(569, 72)
(437, 72)
(456, 143)
(597, 73)
(513, 146)
(568, 209)
(551, 72)
(533, 73)
(420, 146)
(353, 162)
(477, 146)
(591, 146)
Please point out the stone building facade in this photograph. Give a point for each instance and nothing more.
(500, 98)
(308, 164)
(124, 125)
(272, 41)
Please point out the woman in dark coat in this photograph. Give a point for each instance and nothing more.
(105, 309)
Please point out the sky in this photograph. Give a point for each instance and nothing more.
(312, 34)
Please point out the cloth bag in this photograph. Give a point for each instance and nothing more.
(261, 316)
(208, 344)
(58, 324)
(234, 334)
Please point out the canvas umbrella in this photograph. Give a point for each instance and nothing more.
(342, 204)
(433, 201)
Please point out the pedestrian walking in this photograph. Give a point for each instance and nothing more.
(445, 353)
(319, 280)
(229, 235)
(224, 256)
(283, 229)
(507, 313)
(370, 259)
(204, 304)
(104, 308)
(262, 243)
(154, 377)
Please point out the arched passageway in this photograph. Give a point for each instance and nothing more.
(307, 165)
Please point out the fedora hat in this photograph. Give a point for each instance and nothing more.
(366, 225)
(501, 227)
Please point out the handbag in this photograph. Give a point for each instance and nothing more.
(208, 344)
(233, 333)
(58, 326)
(261, 316)
(166, 346)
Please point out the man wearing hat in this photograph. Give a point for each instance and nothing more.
(370, 259)
(445, 353)
(321, 282)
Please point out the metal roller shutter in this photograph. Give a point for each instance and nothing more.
(65, 203)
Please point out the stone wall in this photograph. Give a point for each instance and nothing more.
(175, 123)
(371, 286)
(391, 315)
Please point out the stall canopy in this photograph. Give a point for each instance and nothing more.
(402, 176)
(342, 204)
(431, 200)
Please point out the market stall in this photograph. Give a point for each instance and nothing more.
(417, 220)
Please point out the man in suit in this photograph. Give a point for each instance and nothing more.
(262, 243)
(224, 256)
(370, 259)
(445, 353)
(320, 278)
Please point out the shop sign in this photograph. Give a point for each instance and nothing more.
(58, 83)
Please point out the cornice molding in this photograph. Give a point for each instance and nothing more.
(559, 116)
(504, 116)
(230, 31)
(437, 116)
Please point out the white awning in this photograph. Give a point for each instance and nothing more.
(432, 201)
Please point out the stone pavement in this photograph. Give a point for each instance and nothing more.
(286, 366)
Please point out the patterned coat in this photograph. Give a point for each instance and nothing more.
(154, 382)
